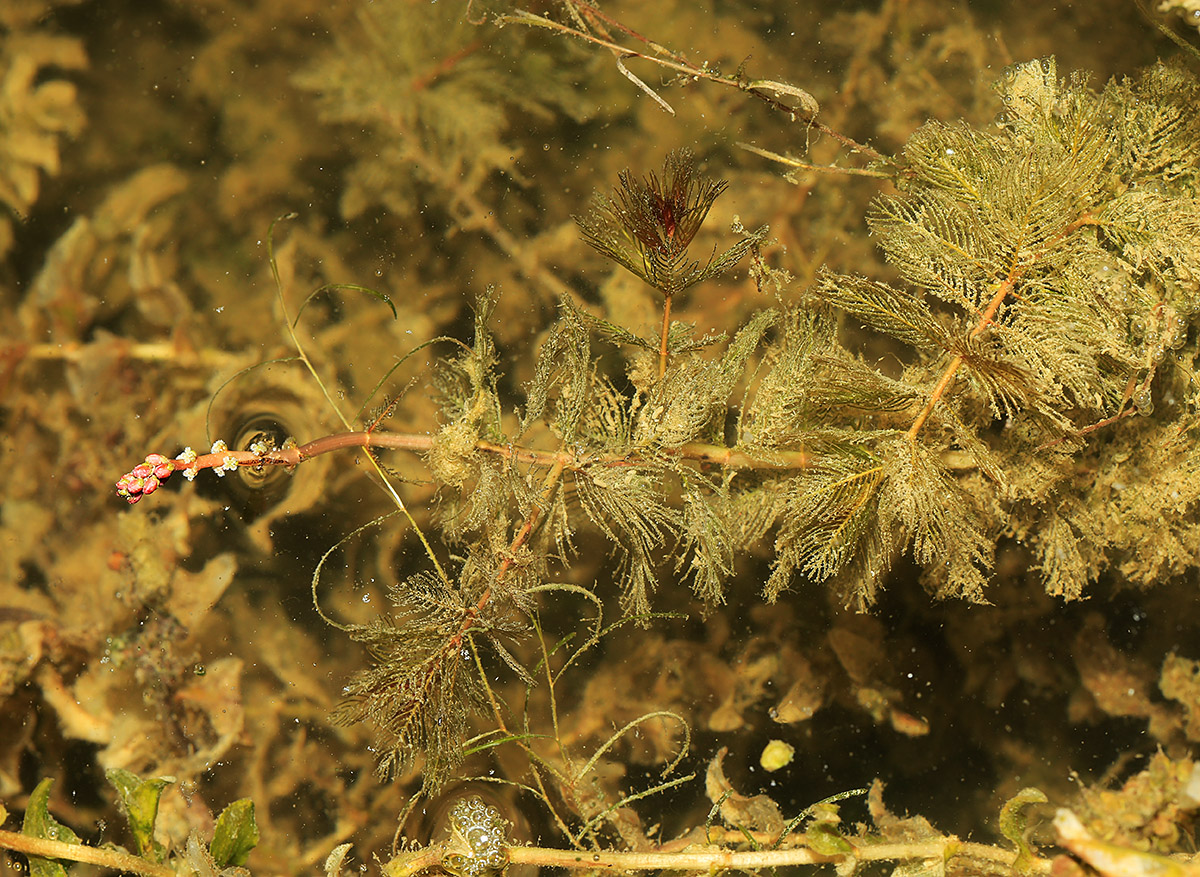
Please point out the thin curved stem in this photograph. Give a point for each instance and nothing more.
(300, 351)
(679, 65)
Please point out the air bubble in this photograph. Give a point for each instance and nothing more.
(1143, 400)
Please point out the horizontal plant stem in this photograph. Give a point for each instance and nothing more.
(712, 859)
(699, 452)
(68, 852)
(178, 352)
(704, 859)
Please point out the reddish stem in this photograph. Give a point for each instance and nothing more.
(666, 330)
(697, 451)
(1007, 288)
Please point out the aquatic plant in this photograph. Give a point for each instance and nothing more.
(1048, 287)
(976, 412)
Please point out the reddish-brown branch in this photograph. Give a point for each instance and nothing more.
(600, 21)
(445, 66)
(698, 452)
(676, 63)
(666, 330)
(1007, 288)
(146, 477)
(947, 377)
(548, 486)
(454, 643)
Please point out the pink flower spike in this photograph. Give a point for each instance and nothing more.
(145, 477)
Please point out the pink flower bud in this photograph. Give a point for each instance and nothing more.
(130, 487)
(145, 478)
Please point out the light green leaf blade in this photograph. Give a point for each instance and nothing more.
(139, 803)
(236, 834)
(39, 823)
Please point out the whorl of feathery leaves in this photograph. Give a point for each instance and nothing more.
(649, 223)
